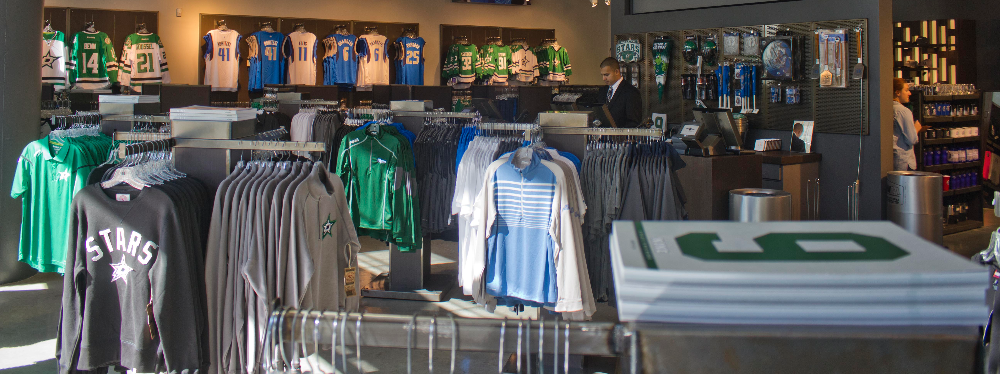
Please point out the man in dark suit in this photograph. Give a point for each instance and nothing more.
(624, 101)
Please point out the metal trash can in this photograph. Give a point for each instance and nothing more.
(914, 201)
(759, 205)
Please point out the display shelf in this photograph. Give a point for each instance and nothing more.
(940, 141)
(941, 119)
(943, 167)
(939, 98)
(963, 191)
(962, 226)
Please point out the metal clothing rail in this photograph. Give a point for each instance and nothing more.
(469, 334)
(138, 118)
(255, 145)
(436, 114)
(166, 144)
(140, 136)
(601, 131)
(310, 102)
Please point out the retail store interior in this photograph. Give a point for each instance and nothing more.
(513, 186)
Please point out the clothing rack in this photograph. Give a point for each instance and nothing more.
(138, 118)
(436, 114)
(473, 334)
(602, 131)
(532, 131)
(140, 136)
(125, 150)
(312, 103)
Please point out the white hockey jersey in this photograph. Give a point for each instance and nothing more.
(143, 61)
(300, 52)
(523, 65)
(373, 65)
(54, 59)
(222, 57)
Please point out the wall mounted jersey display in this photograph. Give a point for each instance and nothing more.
(143, 61)
(264, 60)
(340, 64)
(410, 60)
(92, 63)
(54, 59)
(222, 56)
(300, 51)
(374, 60)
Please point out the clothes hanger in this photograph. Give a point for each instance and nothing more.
(48, 27)
(503, 331)
(357, 342)
(454, 343)
(343, 340)
(566, 350)
(221, 25)
(141, 28)
(520, 325)
(305, 352)
(409, 343)
(333, 341)
(431, 340)
(89, 27)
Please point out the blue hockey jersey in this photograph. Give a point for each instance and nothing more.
(265, 63)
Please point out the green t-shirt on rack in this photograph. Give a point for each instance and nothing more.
(47, 177)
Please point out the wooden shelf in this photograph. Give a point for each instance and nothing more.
(963, 191)
(940, 141)
(962, 226)
(943, 119)
(945, 167)
(939, 98)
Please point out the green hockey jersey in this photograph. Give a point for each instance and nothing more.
(54, 59)
(92, 64)
(461, 62)
(143, 61)
(554, 63)
(494, 64)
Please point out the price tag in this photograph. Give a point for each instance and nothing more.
(151, 321)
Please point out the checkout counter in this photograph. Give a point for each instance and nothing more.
(716, 163)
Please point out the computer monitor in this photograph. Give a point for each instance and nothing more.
(719, 121)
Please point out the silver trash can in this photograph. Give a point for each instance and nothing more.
(914, 201)
(759, 205)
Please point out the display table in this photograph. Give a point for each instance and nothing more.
(683, 348)
(798, 174)
(708, 180)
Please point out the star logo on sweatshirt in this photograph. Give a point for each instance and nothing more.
(49, 59)
(327, 228)
(121, 271)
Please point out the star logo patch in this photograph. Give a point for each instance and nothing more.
(63, 175)
(327, 228)
(49, 59)
(121, 271)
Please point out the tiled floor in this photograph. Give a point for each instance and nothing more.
(30, 311)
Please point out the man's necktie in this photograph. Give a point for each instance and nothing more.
(611, 92)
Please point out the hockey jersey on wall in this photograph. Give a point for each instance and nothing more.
(460, 63)
(300, 53)
(222, 56)
(524, 64)
(410, 62)
(143, 61)
(374, 65)
(494, 64)
(264, 62)
(553, 63)
(340, 64)
(92, 64)
(54, 59)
